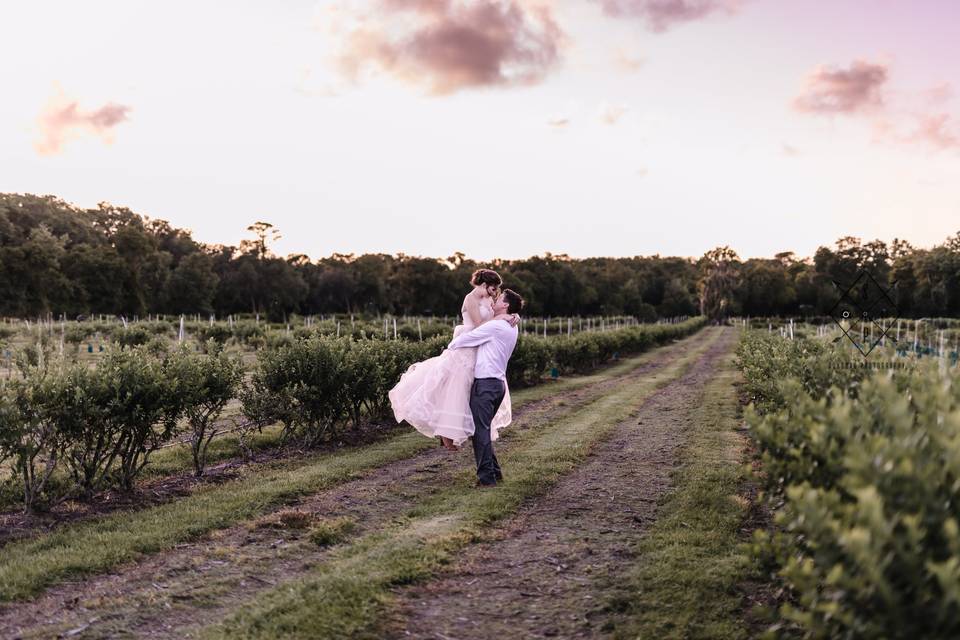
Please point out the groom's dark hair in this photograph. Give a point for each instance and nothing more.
(514, 301)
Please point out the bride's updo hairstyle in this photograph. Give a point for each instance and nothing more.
(487, 277)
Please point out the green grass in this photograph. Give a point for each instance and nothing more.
(28, 567)
(685, 582)
(331, 531)
(348, 596)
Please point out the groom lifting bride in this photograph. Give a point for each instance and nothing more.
(495, 342)
(463, 393)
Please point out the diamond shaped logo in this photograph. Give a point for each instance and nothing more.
(865, 312)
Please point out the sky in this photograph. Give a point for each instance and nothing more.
(498, 128)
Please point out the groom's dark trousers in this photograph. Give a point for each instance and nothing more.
(485, 398)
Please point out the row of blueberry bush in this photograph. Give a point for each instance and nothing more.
(71, 429)
(861, 469)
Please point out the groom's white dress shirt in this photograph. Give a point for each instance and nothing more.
(495, 341)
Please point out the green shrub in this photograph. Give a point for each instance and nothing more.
(132, 336)
(299, 385)
(868, 543)
(767, 360)
(217, 332)
(203, 384)
(30, 435)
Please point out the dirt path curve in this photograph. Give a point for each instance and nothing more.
(174, 594)
(546, 573)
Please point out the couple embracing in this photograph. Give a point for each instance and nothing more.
(462, 393)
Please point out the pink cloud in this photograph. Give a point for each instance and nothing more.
(831, 90)
(448, 45)
(661, 15)
(939, 94)
(897, 117)
(934, 129)
(62, 120)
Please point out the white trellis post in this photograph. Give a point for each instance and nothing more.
(394, 328)
(180, 335)
(419, 330)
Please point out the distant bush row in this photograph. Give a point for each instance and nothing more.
(101, 424)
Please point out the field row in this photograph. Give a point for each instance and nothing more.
(860, 463)
(67, 428)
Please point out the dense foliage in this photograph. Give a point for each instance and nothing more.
(56, 258)
(98, 424)
(318, 387)
(863, 472)
(101, 424)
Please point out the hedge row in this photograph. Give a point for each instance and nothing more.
(102, 423)
(317, 387)
(863, 473)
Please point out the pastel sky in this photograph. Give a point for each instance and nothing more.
(500, 128)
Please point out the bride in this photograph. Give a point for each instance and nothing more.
(434, 395)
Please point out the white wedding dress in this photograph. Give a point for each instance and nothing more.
(434, 395)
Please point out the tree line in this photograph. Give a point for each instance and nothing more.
(61, 259)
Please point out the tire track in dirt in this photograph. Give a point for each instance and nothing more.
(174, 593)
(545, 573)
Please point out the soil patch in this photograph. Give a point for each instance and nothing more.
(545, 574)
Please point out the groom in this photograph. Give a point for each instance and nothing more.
(495, 341)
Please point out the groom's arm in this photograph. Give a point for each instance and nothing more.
(475, 337)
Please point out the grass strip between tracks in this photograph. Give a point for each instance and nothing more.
(28, 567)
(691, 560)
(347, 596)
